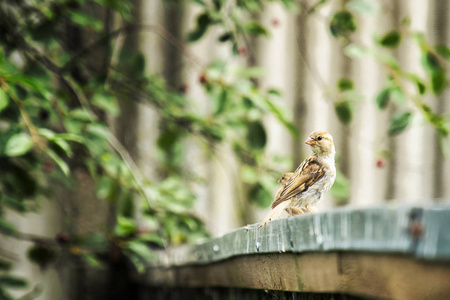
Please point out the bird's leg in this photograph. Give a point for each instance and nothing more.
(294, 211)
(311, 209)
(297, 211)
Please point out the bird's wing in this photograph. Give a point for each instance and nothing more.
(308, 173)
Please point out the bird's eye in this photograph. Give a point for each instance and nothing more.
(319, 138)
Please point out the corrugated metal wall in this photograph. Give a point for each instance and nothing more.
(304, 61)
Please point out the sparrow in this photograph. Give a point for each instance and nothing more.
(301, 190)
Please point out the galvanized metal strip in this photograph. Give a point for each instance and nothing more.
(420, 231)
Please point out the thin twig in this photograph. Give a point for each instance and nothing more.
(25, 117)
(162, 32)
(114, 142)
(33, 53)
(28, 237)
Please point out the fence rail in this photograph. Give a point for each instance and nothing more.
(390, 252)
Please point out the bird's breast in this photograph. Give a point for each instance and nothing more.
(316, 191)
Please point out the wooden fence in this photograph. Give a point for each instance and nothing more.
(387, 252)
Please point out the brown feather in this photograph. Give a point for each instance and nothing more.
(317, 173)
(305, 176)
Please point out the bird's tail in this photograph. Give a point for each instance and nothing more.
(275, 213)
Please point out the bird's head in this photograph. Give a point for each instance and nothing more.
(321, 143)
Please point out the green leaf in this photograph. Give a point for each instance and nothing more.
(201, 2)
(85, 20)
(221, 101)
(291, 5)
(260, 196)
(81, 114)
(107, 103)
(249, 72)
(442, 138)
(419, 37)
(389, 60)
(355, 51)
(13, 203)
(91, 260)
(275, 110)
(432, 61)
(4, 99)
(436, 120)
(399, 123)
(225, 37)
(398, 96)
(71, 137)
(106, 187)
(203, 21)
(248, 174)
(125, 226)
(255, 28)
(59, 161)
(341, 188)
(12, 282)
(99, 130)
(63, 145)
(256, 135)
(383, 97)
(21, 92)
(274, 92)
(18, 145)
(33, 83)
(73, 125)
(4, 295)
(151, 238)
(443, 50)
(95, 242)
(41, 255)
(121, 7)
(438, 81)
(421, 87)
(342, 23)
(362, 6)
(344, 111)
(6, 226)
(345, 84)
(4, 265)
(141, 249)
(391, 39)
(46, 133)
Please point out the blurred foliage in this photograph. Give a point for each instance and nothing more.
(408, 103)
(54, 110)
(55, 106)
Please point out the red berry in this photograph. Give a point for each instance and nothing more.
(48, 166)
(243, 51)
(203, 78)
(380, 163)
(183, 88)
(62, 237)
(275, 22)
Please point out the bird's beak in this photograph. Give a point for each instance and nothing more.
(310, 141)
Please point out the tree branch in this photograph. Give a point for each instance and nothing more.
(163, 33)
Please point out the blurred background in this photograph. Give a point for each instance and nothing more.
(130, 126)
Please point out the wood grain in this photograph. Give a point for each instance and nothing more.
(389, 276)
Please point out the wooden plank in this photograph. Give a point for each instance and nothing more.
(359, 273)
(423, 232)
